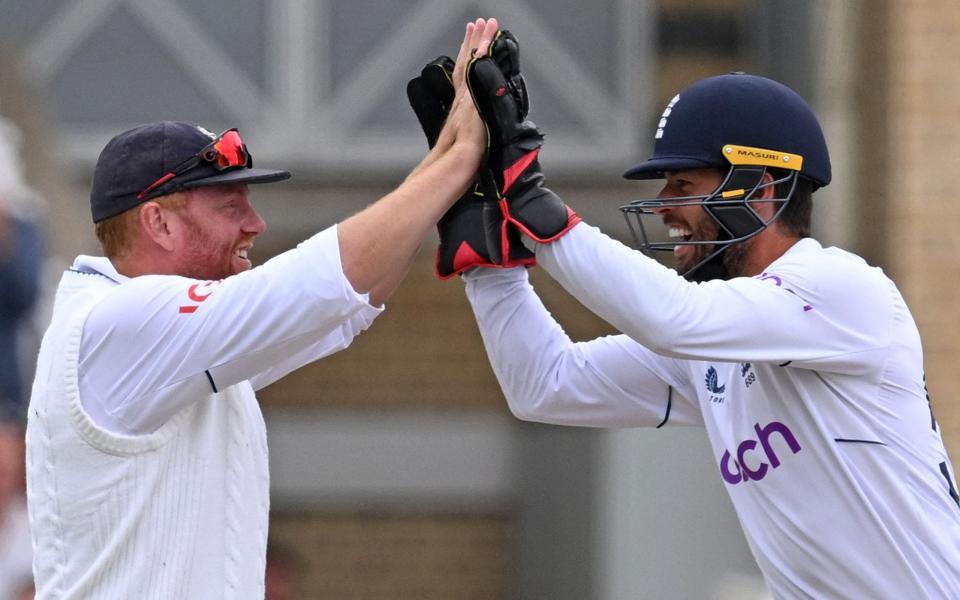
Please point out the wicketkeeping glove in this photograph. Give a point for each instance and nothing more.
(431, 95)
(500, 94)
(473, 233)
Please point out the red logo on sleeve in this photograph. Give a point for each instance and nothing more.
(196, 294)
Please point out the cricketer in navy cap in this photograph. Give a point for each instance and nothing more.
(136, 159)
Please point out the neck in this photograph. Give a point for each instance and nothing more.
(753, 256)
(131, 265)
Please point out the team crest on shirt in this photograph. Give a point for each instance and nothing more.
(746, 371)
(196, 294)
(714, 386)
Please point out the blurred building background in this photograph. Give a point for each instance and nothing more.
(397, 470)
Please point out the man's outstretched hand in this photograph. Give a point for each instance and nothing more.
(513, 144)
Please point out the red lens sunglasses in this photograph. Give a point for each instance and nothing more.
(227, 151)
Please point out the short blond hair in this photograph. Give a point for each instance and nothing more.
(115, 234)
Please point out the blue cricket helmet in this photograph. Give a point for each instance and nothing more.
(760, 131)
(735, 110)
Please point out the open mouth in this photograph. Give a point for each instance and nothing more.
(241, 255)
(680, 234)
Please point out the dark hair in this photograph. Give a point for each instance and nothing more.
(795, 218)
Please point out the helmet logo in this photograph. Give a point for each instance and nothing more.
(746, 155)
(663, 118)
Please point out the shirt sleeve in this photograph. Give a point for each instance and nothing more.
(816, 315)
(607, 382)
(156, 343)
(339, 339)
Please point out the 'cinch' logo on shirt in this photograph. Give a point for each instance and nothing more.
(736, 470)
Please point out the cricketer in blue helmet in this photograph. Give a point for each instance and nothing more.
(801, 362)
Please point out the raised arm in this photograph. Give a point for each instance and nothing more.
(377, 245)
(546, 377)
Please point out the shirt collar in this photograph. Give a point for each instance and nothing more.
(801, 247)
(807, 244)
(100, 265)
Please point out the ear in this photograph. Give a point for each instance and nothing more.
(766, 210)
(155, 222)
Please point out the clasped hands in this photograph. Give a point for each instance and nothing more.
(482, 97)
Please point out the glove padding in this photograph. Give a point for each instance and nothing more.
(473, 233)
(514, 143)
(431, 96)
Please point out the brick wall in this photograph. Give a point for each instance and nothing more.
(923, 215)
(358, 556)
(423, 352)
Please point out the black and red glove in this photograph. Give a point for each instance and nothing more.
(473, 233)
(431, 96)
(470, 236)
(514, 143)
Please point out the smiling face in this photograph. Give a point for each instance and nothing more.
(689, 223)
(215, 231)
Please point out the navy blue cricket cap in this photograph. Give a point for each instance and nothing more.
(135, 159)
(738, 109)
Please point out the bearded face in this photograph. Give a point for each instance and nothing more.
(216, 232)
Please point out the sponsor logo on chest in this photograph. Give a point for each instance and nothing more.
(755, 457)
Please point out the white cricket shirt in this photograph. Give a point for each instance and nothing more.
(808, 379)
(184, 338)
(147, 470)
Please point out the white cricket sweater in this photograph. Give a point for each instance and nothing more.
(146, 450)
(179, 513)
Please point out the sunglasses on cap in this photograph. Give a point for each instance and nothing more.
(225, 152)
